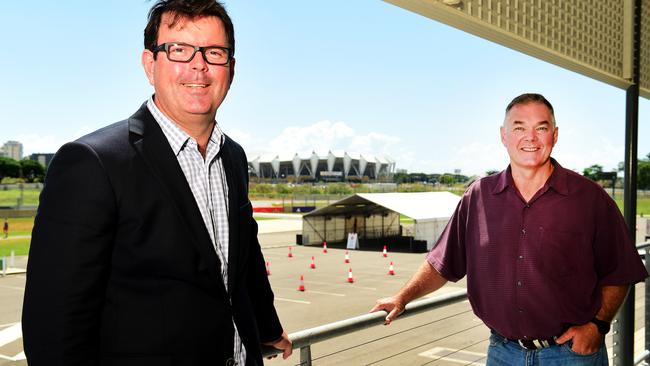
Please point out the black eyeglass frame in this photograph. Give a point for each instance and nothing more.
(165, 47)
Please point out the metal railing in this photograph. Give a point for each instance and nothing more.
(305, 338)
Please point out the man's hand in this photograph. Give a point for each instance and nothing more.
(586, 338)
(284, 344)
(391, 305)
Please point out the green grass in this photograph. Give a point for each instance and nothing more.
(10, 197)
(20, 246)
(19, 226)
(642, 205)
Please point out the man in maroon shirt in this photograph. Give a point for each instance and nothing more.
(547, 254)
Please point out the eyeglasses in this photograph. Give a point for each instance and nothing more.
(183, 52)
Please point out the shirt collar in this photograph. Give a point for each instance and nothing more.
(557, 180)
(178, 138)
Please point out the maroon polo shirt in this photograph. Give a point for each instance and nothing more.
(535, 268)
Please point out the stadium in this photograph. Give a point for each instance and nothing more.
(333, 166)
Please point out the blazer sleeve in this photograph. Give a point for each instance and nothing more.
(69, 260)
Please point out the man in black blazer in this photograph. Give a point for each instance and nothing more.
(144, 249)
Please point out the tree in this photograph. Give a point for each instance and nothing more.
(593, 172)
(9, 168)
(32, 170)
(643, 176)
(491, 172)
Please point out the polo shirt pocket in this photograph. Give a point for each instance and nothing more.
(562, 252)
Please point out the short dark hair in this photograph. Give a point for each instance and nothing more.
(531, 98)
(191, 9)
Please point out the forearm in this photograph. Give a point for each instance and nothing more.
(424, 281)
(612, 298)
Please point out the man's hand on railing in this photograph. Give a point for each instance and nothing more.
(284, 344)
(391, 305)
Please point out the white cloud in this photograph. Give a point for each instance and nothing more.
(322, 137)
(35, 143)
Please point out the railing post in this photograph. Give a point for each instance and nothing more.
(305, 356)
(647, 301)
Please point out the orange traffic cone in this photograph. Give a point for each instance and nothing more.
(391, 270)
(347, 257)
(313, 264)
(301, 287)
(350, 278)
(268, 271)
(290, 255)
(324, 247)
(384, 253)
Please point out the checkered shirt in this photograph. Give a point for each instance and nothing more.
(207, 180)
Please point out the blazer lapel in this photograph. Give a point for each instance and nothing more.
(150, 142)
(234, 187)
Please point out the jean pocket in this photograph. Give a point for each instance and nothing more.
(497, 340)
(568, 346)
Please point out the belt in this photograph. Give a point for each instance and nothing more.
(533, 344)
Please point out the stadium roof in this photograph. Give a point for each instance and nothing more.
(420, 206)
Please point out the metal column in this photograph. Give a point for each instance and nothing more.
(624, 323)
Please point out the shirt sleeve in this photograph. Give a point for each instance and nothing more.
(616, 258)
(448, 254)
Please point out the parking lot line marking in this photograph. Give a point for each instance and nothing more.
(8, 324)
(13, 287)
(312, 291)
(343, 284)
(18, 357)
(10, 334)
(454, 355)
(326, 293)
(291, 300)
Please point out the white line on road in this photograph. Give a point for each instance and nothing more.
(8, 324)
(18, 357)
(10, 334)
(343, 284)
(310, 291)
(13, 287)
(291, 300)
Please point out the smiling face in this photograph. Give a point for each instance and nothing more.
(190, 92)
(529, 134)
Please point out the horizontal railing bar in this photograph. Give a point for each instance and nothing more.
(324, 332)
(641, 357)
(644, 245)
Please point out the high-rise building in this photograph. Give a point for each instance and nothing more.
(13, 149)
(43, 158)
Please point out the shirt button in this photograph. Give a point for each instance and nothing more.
(519, 283)
(527, 206)
(520, 310)
(523, 231)
(521, 257)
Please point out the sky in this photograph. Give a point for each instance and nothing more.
(362, 76)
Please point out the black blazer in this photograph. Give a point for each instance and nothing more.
(121, 267)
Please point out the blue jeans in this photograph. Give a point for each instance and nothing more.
(503, 352)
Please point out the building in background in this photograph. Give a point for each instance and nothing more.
(43, 158)
(13, 150)
(337, 166)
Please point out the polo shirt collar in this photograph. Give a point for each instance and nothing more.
(557, 180)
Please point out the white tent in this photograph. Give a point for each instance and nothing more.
(376, 215)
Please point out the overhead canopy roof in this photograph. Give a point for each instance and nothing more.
(417, 205)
